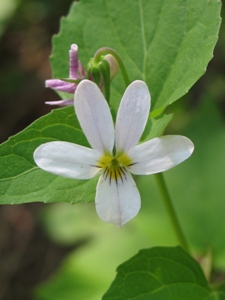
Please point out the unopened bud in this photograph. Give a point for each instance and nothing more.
(113, 65)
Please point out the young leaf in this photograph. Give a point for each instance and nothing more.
(161, 273)
(168, 44)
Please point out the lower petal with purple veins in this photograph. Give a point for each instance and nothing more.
(117, 200)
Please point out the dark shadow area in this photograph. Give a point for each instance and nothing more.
(27, 256)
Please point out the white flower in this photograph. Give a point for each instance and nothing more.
(115, 154)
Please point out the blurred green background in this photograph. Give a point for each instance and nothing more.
(60, 251)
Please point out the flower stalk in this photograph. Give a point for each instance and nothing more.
(171, 211)
(106, 50)
(105, 71)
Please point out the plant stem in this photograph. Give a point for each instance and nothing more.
(170, 209)
(105, 71)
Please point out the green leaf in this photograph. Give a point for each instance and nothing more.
(160, 273)
(168, 43)
(22, 181)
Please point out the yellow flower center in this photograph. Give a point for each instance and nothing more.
(115, 167)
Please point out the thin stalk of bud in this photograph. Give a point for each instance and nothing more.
(105, 51)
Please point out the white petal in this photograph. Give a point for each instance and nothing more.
(117, 201)
(94, 116)
(159, 154)
(67, 160)
(132, 115)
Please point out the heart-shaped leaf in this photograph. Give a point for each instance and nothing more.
(161, 273)
(168, 43)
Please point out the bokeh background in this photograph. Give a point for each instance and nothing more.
(27, 256)
(36, 239)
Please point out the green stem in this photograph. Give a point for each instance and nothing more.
(106, 50)
(104, 67)
(170, 209)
